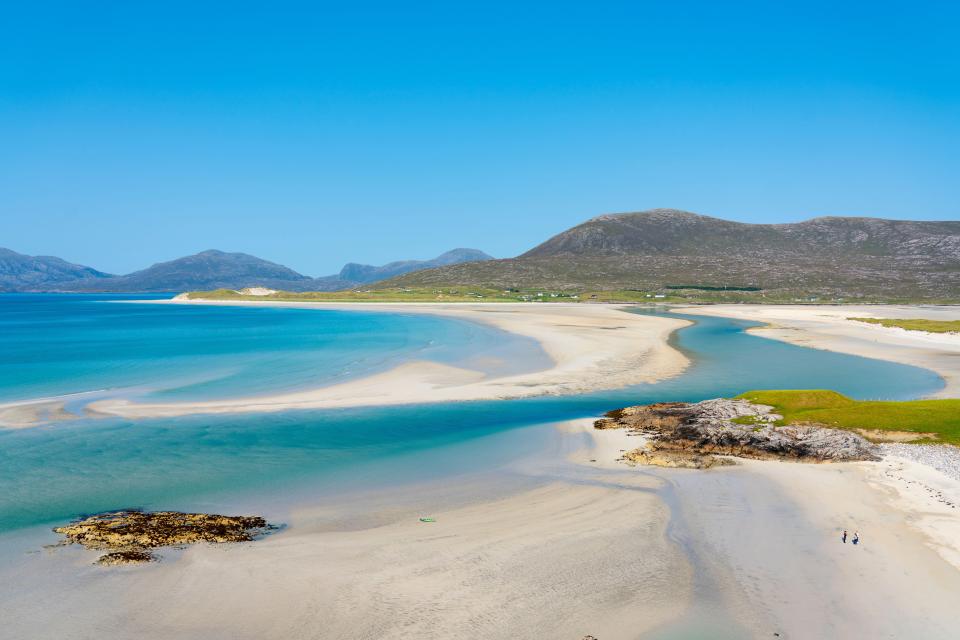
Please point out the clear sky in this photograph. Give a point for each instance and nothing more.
(318, 133)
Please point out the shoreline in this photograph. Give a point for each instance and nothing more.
(826, 327)
(563, 558)
(593, 347)
(600, 549)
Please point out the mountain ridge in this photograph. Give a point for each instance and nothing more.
(19, 270)
(209, 269)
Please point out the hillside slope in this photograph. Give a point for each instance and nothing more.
(832, 257)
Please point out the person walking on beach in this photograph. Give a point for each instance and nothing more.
(856, 538)
(844, 536)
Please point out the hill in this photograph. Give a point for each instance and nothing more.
(353, 274)
(671, 250)
(19, 272)
(209, 269)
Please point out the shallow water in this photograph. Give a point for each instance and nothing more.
(56, 472)
(53, 345)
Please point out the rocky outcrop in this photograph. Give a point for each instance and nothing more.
(128, 535)
(692, 435)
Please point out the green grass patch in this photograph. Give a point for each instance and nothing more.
(915, 324)
(940, 417)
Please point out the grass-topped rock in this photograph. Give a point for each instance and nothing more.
(693, 435)
(130, 535)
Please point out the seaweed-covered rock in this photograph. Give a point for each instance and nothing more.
(126, 557)
(733, 428)
(129, 534)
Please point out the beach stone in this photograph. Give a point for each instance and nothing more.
(707, 428)
(944, 458)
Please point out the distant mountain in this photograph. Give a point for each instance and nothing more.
(651, 250)
(19, 272)
(203, 271)
(353, 274)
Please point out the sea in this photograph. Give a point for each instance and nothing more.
(87, 347)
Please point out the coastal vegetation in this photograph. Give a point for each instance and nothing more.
(490, 294)
(472, 293)
(930, 420)
(915, 324)
(398, 294)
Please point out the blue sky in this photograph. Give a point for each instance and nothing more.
(314, 134)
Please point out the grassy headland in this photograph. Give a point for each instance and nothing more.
(941, 418)
(398, 294)
(471, 293)
(915, 324)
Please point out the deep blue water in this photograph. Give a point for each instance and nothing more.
(57, 472)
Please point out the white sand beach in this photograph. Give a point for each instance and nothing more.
(775, 528)
(602, 549)
(592, 347)
(828, 327)
(562, 560)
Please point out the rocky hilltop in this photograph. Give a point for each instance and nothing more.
(666, 249)
(129, 536)
(680, 434)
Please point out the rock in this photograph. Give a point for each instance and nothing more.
(126, 557)
(675, 459)
(691, 434)
(129, 534)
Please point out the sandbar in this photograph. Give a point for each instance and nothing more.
(592, 347)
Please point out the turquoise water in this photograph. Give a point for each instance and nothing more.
(56, 472)
(54, 345)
